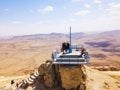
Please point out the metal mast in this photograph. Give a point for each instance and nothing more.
(70, 36)
(70, 51)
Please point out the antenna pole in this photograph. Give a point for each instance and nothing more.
(70, 42)
(70, 36)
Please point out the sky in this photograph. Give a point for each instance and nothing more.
(24, 17)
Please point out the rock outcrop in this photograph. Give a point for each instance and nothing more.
(73, 77)
(61, 77)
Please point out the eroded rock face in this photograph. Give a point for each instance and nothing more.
(47, 77)
(72, 76)
(62, 77)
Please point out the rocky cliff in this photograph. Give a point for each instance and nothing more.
(73, 77)
(61, 77)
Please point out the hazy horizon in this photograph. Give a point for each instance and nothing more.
(8, 36)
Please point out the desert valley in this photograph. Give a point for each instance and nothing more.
(21, 55)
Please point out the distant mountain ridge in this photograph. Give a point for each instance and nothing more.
(76, 35)
(111, 32)
(50, 36)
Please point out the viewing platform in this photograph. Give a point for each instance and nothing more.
(74, 57)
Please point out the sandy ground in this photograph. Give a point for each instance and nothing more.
(98, 80)
(117, 73)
